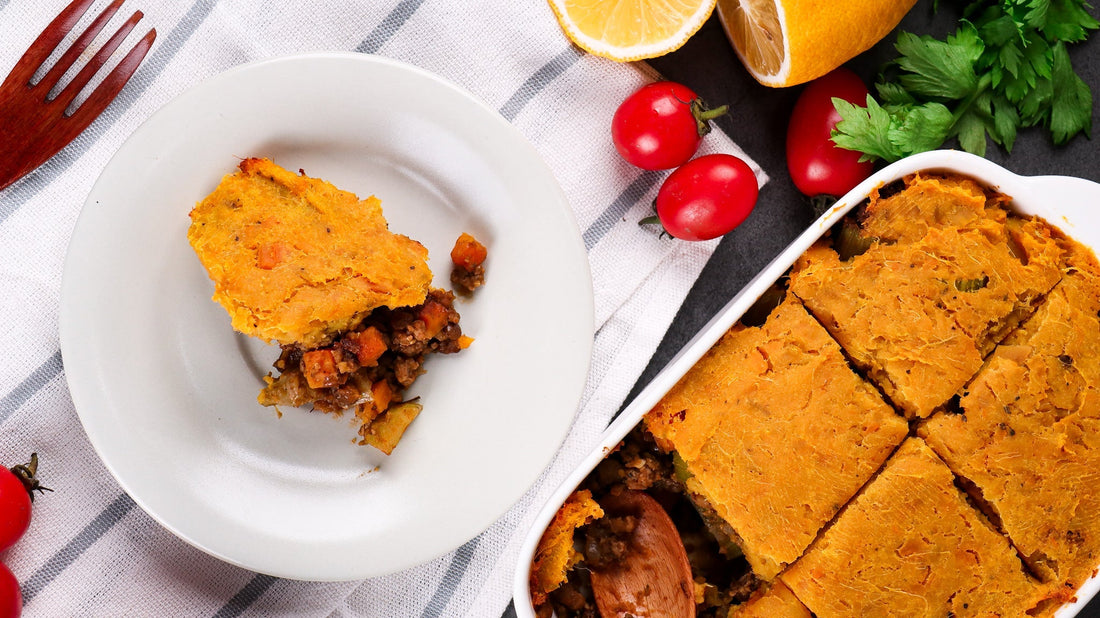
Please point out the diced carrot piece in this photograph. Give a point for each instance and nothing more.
(382, 394)
(269, 256)
(365, 412)
(319, 368)
(468, 253)
(464, 342)
(434, 316)
(371, 346)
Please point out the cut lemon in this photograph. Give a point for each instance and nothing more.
(627, 30)
(788, 42)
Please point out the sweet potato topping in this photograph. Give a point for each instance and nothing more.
(296, 260)
(949, 275)
(910, 545)
(774, 416)
(555, 554)
(269, 256)
(776, 601)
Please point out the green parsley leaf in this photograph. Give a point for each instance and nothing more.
(939, 70)
(1035, 105)
(1071, 108)
(865, 130)
(1035, 15)
(1068, 21)
(1005, 121)
(922, 127)
(894, 94)
(971, 133)
(999, 30)
(1005, 67)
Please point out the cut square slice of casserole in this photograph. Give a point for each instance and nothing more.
(1026, 435)
(925, 302)
(776, 433)
(910, 545)
(297, 261)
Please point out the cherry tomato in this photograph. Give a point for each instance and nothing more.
(11, 600)
(15, 509)
(817, 165)
(707, 197)
(659, 127)
(16, 486)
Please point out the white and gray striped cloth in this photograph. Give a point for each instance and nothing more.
(89, 551)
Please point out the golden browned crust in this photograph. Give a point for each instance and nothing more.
(919, 314)
(296, 260)
(555, 554)
(911, 545)
(776, 601)
(1027, 438)
(777, 433)
(930, 200)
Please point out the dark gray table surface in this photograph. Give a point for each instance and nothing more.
(758, 123)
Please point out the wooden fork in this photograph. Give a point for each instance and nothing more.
(34, 126)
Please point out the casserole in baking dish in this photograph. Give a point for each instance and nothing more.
(946, 295)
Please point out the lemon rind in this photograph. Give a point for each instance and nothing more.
(780, 78)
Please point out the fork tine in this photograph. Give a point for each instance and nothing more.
(69, 57)
(85, 75)
(113, 83)
(44, 45)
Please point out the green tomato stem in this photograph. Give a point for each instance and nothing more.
(703, 115)
(26, 475)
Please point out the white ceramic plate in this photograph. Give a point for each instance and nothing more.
(1068, 203)
(167, 391)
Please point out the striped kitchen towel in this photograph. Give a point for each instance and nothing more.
(90, 551)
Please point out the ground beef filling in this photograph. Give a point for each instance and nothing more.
(370, 367)
(466, 281)
(607, 541)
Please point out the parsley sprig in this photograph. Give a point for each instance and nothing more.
(1006, 67)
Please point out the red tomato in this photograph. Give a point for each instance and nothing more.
(659, 127)
(16, 486)
(11, 600)
(15, 509)
(817, 165)
(707, 197)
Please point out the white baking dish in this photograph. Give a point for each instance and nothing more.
(1068, 203)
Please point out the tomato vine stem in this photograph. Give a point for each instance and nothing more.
(26, 475)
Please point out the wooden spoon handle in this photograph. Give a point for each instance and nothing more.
(654, 578)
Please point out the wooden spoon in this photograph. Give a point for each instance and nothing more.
(654, 579)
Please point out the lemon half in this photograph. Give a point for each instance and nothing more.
(789, 42)
(627, 30)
